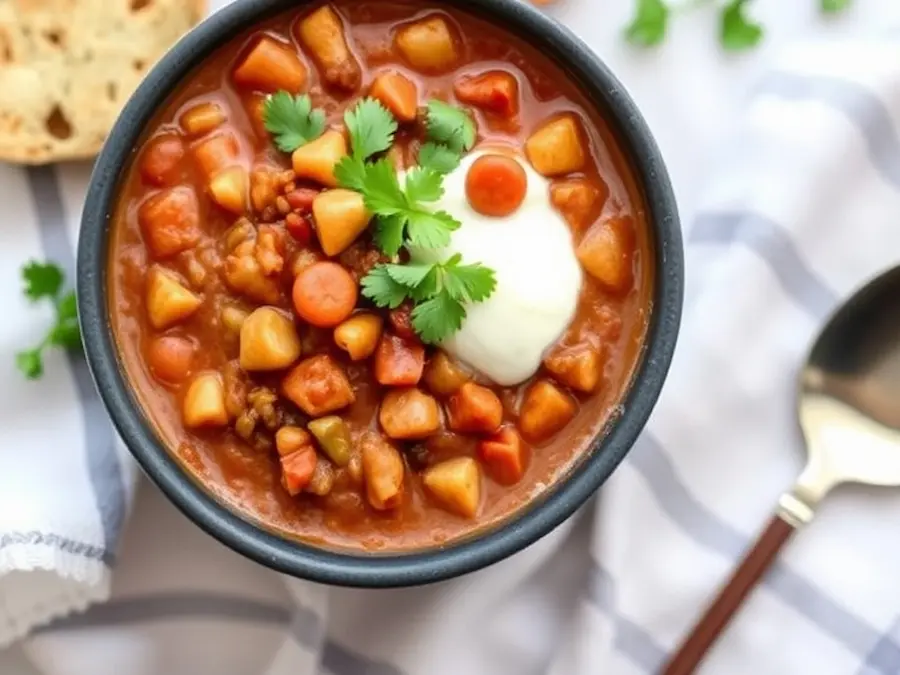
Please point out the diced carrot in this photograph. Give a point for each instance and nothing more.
(401, 322)
(324, 294)
(398, 94)
(161, 160)
(399, 362)
(495, 91)
(503, 455)
(271, 65)
(496, 185)
(170, 358)
(170, 221)
(474, 409)
(318, 386)
(215, 153)
(297, 470)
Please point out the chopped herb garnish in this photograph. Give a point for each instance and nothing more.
(450, 126)
(292, 120)
(648, 26)
(738, 32)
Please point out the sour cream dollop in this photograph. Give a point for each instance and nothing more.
(538, 278)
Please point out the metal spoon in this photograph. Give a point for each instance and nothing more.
(849, 410)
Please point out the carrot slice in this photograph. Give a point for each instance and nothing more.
(324, 294)
(495, 185)
(398, 94)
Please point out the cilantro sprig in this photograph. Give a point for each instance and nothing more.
(292, 120)
(440, 291)
(45, 281)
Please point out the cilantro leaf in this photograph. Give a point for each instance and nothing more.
(30, 363)
(834, 6)
(437, 318)
(389, 231)
(430, 230)
(292, 120)
(450, 125)
(424, 185)
(410, 275)
(350, 173)
(737, 32)
(380, 288)
(438, 157)
(371, 128)
(42, 280)
(476, 281)
(381, 189)
(649, 24)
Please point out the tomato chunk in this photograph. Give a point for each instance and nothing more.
(495, 91)
(496, 185)
(318, 386)
(503, 455)
(297, 469)
(170, 221)
(170, 358)
(161, 160)
(398, 362)
(475, 409)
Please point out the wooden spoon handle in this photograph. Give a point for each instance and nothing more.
(731, 596)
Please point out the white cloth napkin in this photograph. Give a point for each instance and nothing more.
(801, 207)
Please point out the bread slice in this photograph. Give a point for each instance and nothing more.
(68, 66)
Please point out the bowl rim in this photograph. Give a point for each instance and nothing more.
(520, 529)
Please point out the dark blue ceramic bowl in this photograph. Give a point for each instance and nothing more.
(358, 569)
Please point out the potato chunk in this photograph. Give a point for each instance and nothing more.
(503, 455)
(322, 33)
(204, 402)
(427, 45)
(168, 301)
(269, 340)
(399, 362)
(341, 216)
(317, 160)
(456, 485)
(398, 94)
(545, 411)
(442, 376)
(475, 409)
(409, 414)
(229, 187)
(557, 147)
(202, 118)
(218, 152)
(318, 386)
(359, 335)
(578, 200)
(495, 91)
(606, 253)
(170, 221)
(271, 65)
(382, 468)
(579, 367)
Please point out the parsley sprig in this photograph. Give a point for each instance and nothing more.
(292, 120)
(46, 281)
(440, 291)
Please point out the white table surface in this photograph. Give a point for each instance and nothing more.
(689, 90)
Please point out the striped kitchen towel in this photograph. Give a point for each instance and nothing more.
(803, 207)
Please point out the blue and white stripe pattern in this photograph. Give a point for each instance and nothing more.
(804, 206)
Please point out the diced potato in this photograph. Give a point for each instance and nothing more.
(427, 45)
(606, 253)
(316, 160)
(269, 340)
(456, 485)
(383, 471)
(202, 118)
(340, 216)
(271, 65)
(398, 94)
(297, 470)
(557, 147)
(161, 160)
(322, 33)
(443, 376)
(495, 91)
(170, 358)
(409, 414)
(204, 402)
(398, 362)
(228, 189)
(578, 200)
(318, 386)
(290, 439)
(503, 455)
(218, 152)
(303, 259)
(170, 221)
(168, 302)
(545, 411)
(244, 274)
(359, 335)
(355, 467)
(333, 436)
(475, 409)
(322, 479)
(233, 318)
(578, 367)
